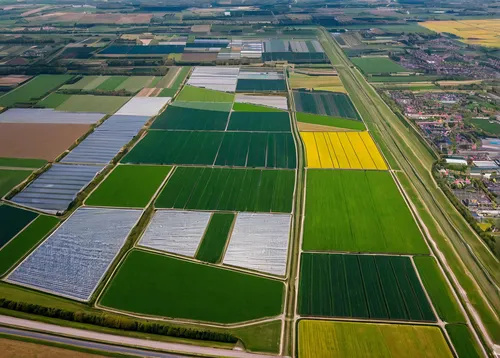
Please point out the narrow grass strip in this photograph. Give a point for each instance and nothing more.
(214, 241)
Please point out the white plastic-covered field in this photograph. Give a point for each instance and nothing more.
(48, 116)
(144, 106)
(259, 242)
(279, 102)
(73, 260)
(178, 232)
(215, 78)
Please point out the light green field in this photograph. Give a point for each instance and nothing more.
(195, 94)
(248, 107)
(91, 103)
(330, 121)
(135, 83)
(53, 100)
(371, 65)
(86, 82)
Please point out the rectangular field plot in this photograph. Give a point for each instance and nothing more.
(48, 116)
(463, 341)
(178, 232)
(361, 286)
(342, 150)
(371, 65)
(102, 145)
(259, 242)
(322, 339)
(13, 220)
(43, 141)
(91, 103)
(195, 94)
(229, 189)
(144, 106)
(308, 122)
(259, 122)
(279, 102)
(55, 189)
(73, 260)
(215, 78)
(129, 186)
(215, 238)
(191, 119)
(325, 103)
(234, 149)
(33, 90)
(188, 290)
(11, 178)
(358, 211)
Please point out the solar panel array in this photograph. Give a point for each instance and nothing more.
(54, 190)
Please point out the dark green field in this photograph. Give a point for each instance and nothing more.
(215, 238)
(229, 189)
(361, 286)
(191, 119)
(190, 291)
(248, 107)
(11, 178)
(13, 220)
(22, 163)
(370, 65)
(486, 125)
(463, 341)
(437, 288)
(53, 100)
(129, 186)
(358, 211)
(33, 90)
(238, 149)
(330, 121)
(246, 85)
(259, 122)
(25, 241)
(325, 103)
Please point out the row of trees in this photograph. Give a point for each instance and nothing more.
(119, 322)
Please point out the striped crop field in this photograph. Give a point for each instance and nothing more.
(229, 189)
(358, 211)
(321, 339)
(362, 286)
(344, 150)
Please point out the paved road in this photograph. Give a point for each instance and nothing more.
(85, 344)
(120, 341)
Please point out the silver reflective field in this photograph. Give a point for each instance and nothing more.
(143, 106)
(279, 102)
(55, 189)
(215, 78)
(48, 116)
(178, 232)
(73, 260)
(259, 242)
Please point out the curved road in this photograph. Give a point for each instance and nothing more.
(111, 342)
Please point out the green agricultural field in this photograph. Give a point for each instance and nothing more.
(25, 241)
(86, 82)
(22, 163)
(11, 178)
(129, 186)
(229, 189)
(166, 81)
(189, 290)
(322, 339)
(209, 106)
(371, 65)
(330, 121)
(33, 90)
(214, 241)
(402, 79)
(235, 149)
(182, 118)
(53, 100)
(90, 103)
(358, 211)
(13, 220)
(325, 103)
(111, 83)
(489, 126)
(195, 94)
(463, 341)
(361, 286)
(439, 291)
(248, 107)
(262, 122)
(135, 83)
(261, 337)
(248, 85)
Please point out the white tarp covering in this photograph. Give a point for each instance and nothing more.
(215, 78)
(178, 232)
(47, 115)
(279, 102)
(144, 106)
(73, 260)
(260, 242)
